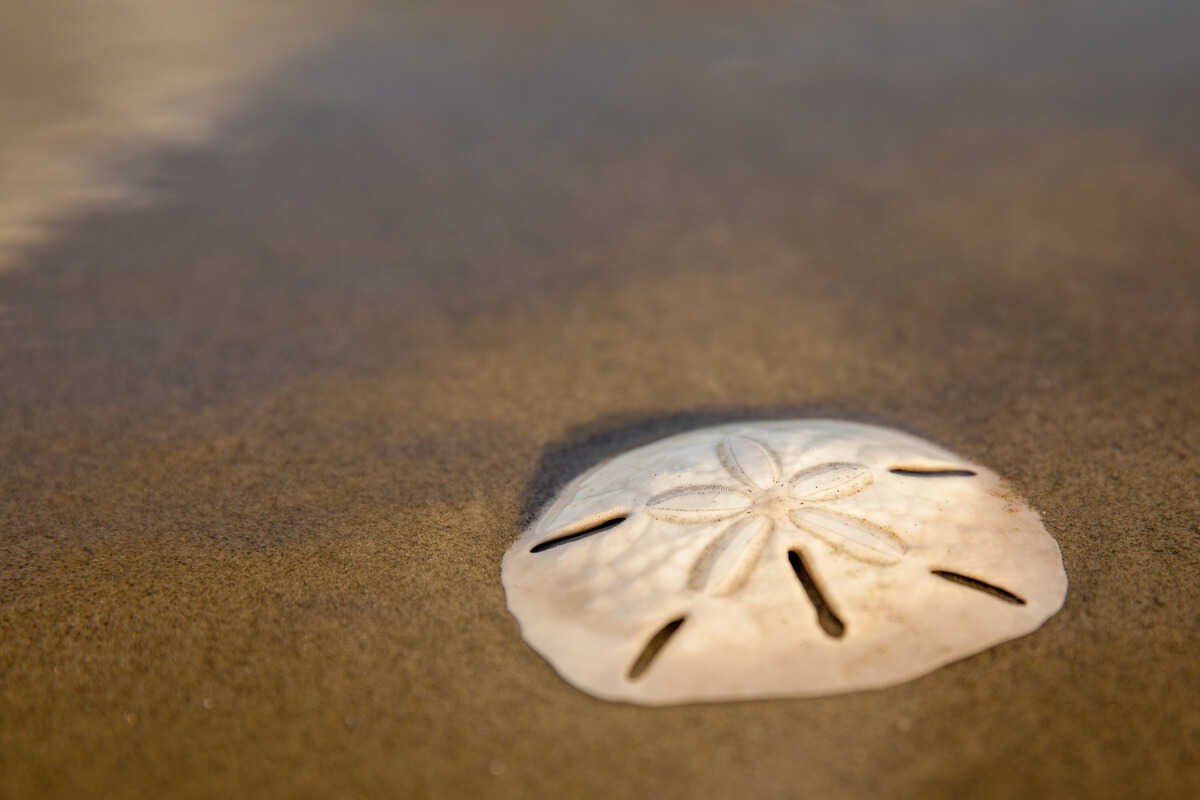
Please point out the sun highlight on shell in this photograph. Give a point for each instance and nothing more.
(775, 559)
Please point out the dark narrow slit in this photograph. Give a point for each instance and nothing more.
(573, 537)
(829, 620)
(917, 472)
(980, 586)
(653, 647)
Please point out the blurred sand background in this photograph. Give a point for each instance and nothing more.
(88, 88)
(295, 338)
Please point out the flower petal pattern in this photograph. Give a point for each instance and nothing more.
(856, 538)
(750, 461)
(831, 481)
(781, 558)
(729, 559)
(698, 504)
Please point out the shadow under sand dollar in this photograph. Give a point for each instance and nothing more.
(587, 445)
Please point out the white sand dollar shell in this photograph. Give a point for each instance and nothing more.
(778, 559)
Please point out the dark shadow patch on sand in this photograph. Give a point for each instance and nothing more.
(589, 444)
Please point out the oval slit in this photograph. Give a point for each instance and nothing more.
(830, 622)
(980, 586)
(574, 537)
(653, 647)
(917, 472)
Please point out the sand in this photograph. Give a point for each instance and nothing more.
(264, 441)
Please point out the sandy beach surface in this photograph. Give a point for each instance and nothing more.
(266, 434)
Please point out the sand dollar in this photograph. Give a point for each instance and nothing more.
(778, 558)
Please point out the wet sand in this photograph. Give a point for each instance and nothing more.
(265, 440)
(88, 89)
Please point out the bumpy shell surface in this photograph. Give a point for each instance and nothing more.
(774, 559)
